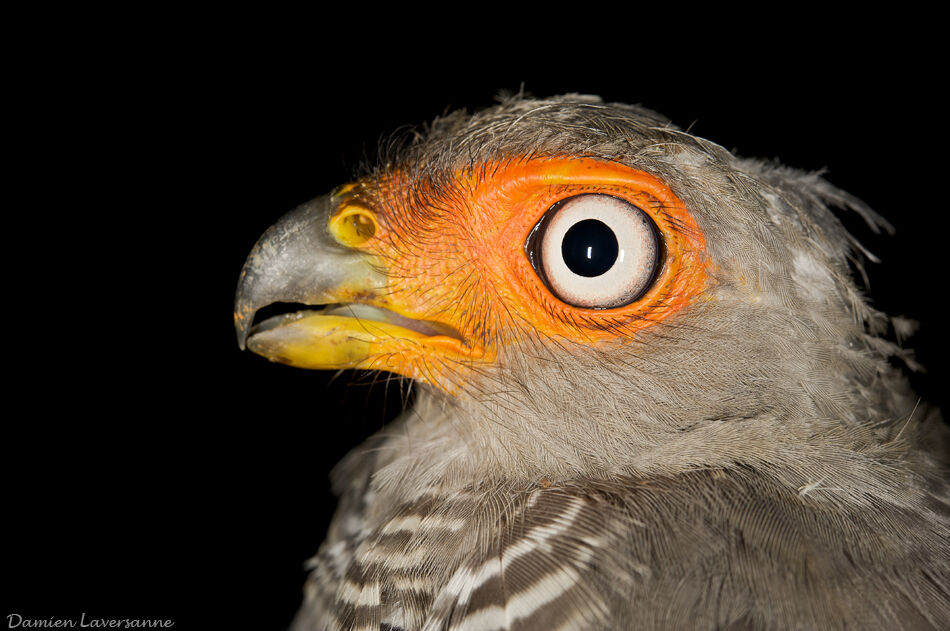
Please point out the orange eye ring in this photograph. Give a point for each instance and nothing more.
(540, 184)
(456, 255)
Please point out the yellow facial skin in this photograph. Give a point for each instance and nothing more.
(459, 284)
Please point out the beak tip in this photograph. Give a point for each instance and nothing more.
(242, 324)
(285, 262)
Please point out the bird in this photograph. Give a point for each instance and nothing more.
(649, 390)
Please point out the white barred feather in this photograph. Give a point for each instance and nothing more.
(756, 462)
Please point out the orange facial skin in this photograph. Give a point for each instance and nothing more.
(456, 255)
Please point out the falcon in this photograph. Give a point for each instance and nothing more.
(649, 393)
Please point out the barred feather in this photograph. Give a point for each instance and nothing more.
(705, 550)
(756, 462)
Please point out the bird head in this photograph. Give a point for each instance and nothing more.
(586, 287)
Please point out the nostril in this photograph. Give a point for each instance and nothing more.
(353, 225)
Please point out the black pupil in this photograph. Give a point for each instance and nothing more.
(589, 248)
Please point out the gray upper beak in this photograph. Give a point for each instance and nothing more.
(297, 260)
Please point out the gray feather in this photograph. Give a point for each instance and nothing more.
(755, 462)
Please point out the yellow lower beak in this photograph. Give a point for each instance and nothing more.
(326, 340)
(299, 260)
(310, 340)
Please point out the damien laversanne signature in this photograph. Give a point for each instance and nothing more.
(17, 621)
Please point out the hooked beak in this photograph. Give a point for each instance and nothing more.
(297, 260)
(306, 258)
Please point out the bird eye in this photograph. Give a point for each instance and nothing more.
(595, 251)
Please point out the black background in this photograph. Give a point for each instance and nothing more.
(151, 469)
